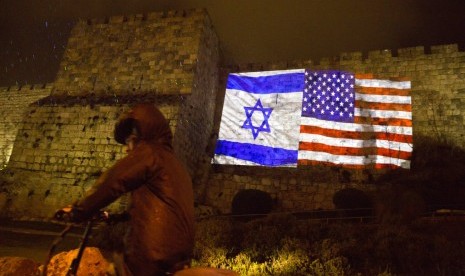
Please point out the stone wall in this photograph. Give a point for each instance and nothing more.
(14, 102)
(66, 140)
(60, 135)
(59, 152)
(127, 55)
(438, 96)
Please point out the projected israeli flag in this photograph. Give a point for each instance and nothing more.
(260, 124)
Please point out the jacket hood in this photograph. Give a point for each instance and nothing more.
(149, 122)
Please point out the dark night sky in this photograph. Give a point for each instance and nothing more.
(34, 32)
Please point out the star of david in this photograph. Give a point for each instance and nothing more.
(248, 124)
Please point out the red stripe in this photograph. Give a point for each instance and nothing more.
(383, 106)
(382, 91)
(354, 151)
(383, 121)
(356, 135)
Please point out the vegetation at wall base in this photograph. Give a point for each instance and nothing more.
(284, 245)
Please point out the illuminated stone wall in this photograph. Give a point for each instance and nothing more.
(61, 135)
(14, 102)
(126, 55)
(438, 96)
(65, 139)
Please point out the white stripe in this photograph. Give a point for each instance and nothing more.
(372, 113)
(383, 98)
(352, 160)
(355, 127)
(383, 83)
(268, 73)
(355, 143)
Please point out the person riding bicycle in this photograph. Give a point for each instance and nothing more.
(160, 236)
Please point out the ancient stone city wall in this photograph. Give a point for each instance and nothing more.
(64, 136)
(60, 135)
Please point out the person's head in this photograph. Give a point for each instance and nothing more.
(144, 122)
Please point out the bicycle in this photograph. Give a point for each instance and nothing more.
(106, 217)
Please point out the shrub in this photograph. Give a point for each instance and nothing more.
(283, 245)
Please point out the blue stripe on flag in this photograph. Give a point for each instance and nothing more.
(281, 83)
(263, 155)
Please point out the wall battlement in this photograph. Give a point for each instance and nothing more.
(141, 17)
(402, 54)
(25, 88)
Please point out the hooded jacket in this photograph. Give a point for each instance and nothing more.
(161, 231)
